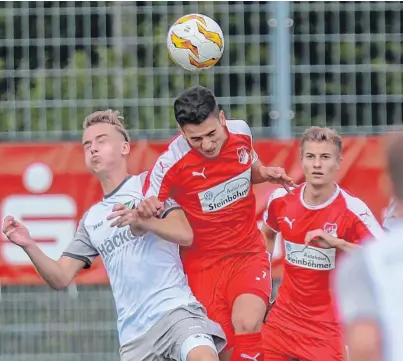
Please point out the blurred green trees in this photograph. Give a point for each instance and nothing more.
(53, 72)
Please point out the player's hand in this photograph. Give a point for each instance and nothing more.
(16, 232)
(150, 207)
(277, 175)
(126, 217)
(321, 238)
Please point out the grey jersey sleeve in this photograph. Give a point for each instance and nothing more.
(354, 290)
(81, 247)
(169, 206)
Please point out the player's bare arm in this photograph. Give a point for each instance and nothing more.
(321, 238)
(364, 341)
(57, 274)
(174, 227)
(276, 175)
(269, 237)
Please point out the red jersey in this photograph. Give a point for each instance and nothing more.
(305, 290)
(216, 195)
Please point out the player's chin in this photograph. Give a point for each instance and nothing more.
(97, 169)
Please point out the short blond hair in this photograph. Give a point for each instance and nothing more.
(322, 134)
(108, 116)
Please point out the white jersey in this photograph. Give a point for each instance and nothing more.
(145, 272)
(369, 285)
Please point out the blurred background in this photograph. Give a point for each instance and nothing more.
(286, 66)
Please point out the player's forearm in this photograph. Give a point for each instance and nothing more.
(256, 175)
(270, 241)
(269, 237)
(48, 268)
(172, 230)
(347, 246)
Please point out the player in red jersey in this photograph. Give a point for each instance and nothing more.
(318, 222)
(209, 170)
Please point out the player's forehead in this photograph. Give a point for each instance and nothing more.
(97, 130)
(319, 147)
(202, 129)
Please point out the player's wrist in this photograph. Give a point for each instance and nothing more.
(29, 245)
(346, 246)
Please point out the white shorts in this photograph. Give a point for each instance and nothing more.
(175, 335)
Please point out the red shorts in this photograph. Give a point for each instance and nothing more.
(217, 286)
(285, 344)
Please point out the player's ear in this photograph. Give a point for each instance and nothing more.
(125, 148)
(181, 130)
(339, 160)
(221, 118)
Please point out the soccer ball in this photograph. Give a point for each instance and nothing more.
(195, 42)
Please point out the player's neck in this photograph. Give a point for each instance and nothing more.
(109, 182)
(317, 195)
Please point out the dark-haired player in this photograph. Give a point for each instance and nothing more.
(209, 170)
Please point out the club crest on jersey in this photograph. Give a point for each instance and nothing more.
(330, 228)
(243, 155)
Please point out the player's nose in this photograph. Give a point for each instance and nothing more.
(317, 163)
(207, 145)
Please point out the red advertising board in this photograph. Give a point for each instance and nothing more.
(48, 188)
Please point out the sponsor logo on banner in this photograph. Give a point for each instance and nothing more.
(226, 193)
(321, 259)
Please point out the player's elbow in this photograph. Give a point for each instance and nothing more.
(187, 236)
(58, 284)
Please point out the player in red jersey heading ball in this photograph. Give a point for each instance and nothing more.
(209, 170)
(317, 222)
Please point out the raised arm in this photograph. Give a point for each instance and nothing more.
(57, 274)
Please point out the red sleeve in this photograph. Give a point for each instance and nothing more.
(164, 176)
(363, 225)
(273, 209)
(160, 180)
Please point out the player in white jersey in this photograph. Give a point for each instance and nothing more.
(158, 316)
(369, 283)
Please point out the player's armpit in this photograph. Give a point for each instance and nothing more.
(269, 237)
(173, 228)
(363, 339)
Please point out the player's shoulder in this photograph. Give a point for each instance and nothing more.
(353, 203)
(129, 192)
(280, 194)
(237, 126)
(177, 149)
